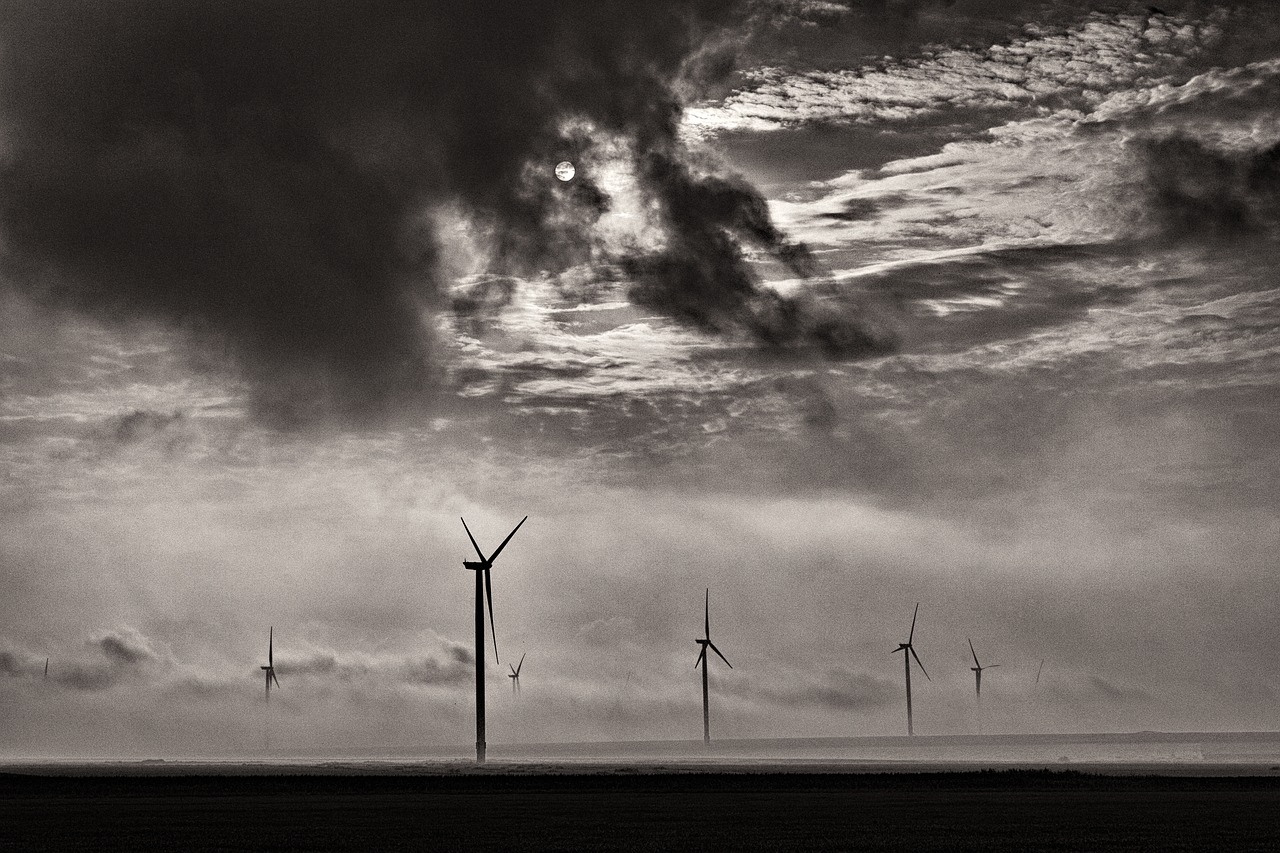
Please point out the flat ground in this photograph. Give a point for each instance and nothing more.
(1015, 810)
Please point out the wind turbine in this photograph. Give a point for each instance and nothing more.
(978, 668)
(908, 652)
(485, 590)
(702, 659)
(515, 675)
(270, 669)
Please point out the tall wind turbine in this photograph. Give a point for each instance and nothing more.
(269, 670)
(908, 652)
(702, 659)
(483, 590)
(978, 668)
(515, 675)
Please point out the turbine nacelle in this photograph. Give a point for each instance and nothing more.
(977, 665)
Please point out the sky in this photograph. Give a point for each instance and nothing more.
(850, 305)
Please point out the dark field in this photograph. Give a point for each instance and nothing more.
(991, 811)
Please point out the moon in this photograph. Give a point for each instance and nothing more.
(565, 170)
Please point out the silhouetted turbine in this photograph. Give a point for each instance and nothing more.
(702, 659)
(515, 675)
(908, 652)
(978, 668)
(483, 590)
(269, 671)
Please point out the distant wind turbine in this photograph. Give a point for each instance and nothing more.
(269, 671)
(978, 668)
(908, 652)
(515, 675)
(702, 659)
(483, 590)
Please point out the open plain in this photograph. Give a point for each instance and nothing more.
(1114, 792)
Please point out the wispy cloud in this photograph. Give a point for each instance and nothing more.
(1076, 67)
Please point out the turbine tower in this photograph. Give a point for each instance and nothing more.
(269, 671)
(483, 590)
(908, 652)
(515, 675)
(702, 659)
(978, 668)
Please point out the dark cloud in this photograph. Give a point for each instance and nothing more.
(459, 668)
(479, 300)
(847, 691)
(451, 663)
(79, 676)
(119, 655)
(125, 648)
(140, 425)
(126, 655)
(1202, 193)
(19, 664)
(267, 174)
(703, 278)
(855, 210)
(1084, 687)
(835, 689)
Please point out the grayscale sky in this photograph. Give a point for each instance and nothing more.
(850, 305)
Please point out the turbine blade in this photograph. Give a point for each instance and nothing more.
(273, 678)
(1040, 670)
(912, 635)
(717, 651)
(702, 654)
(271, 630)
(473, 539)
(922, 669)
(975, 654)
(991, 666)
(513, 670)
(707, 613)
(520, 665)
(495, 554)
(488, 593)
